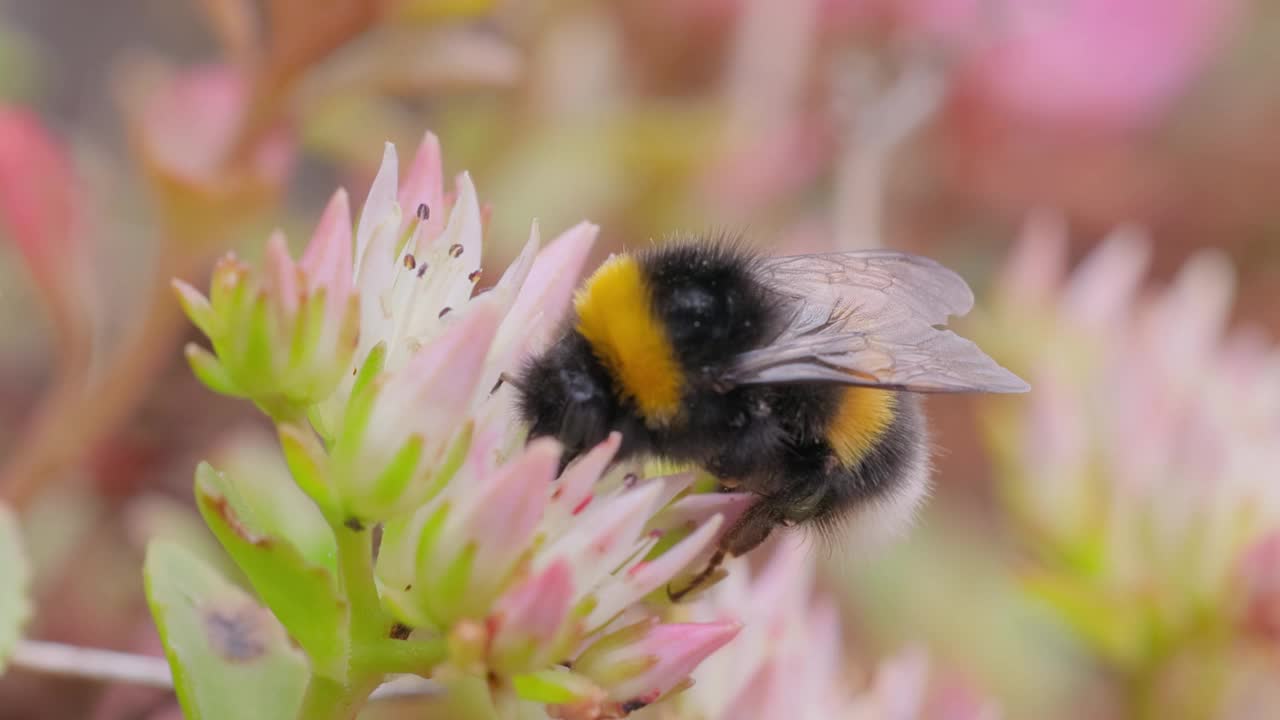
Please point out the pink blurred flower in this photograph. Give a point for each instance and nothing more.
(40, 209)
(788, 660)
(1085, 63)
(186, 126)
(1143, 466)
(190, 122)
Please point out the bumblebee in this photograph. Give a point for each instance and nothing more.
(793, 378)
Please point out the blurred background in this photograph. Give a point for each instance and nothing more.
(1102, 171)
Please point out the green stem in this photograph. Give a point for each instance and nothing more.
(327, 699)
(355, 568)
(387, 656)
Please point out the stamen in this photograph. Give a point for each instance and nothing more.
(445, 311)
(455, 250)
(475, 275)
(424, 212)
(410, 261)
(422, 269)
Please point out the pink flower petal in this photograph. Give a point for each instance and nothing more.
(1102, 289)
(430, 393)
(327, 261)
(1037, 263)
(647, 576)
(536, 609)
(505, 512)
(604, 535)
(675, 650)
(424, 185)
(514, 276)
(573, 491)
(1186, 325)
(377, 208)
(546, 292)
(693, 510)
(282, 277)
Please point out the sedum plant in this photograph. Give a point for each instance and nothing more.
(379, 363)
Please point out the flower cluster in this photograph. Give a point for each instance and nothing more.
(380, 365)
(789, 660)
(1142, 469)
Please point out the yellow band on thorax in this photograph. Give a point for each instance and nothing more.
(862, 417)
(616, 316)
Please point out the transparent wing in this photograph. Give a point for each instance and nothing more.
(872, 317)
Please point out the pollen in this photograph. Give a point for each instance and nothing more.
(616, 317)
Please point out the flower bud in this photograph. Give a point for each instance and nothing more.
(451, 558)
(399, 426)
(641, 663)
(282, 336)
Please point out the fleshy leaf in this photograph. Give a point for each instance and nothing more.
(229, 657)
(15, 606)
(209, 371)
(297, 583)
(307, 464)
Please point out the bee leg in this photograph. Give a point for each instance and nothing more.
(742, 537)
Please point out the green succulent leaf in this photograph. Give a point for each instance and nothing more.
(229, 657)
(15, 605)
(208, 370)
(1117, 630)
(280, 541)
(307, 463)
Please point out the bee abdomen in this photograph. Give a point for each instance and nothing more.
(888, 479)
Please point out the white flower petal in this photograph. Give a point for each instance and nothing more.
(382, 197)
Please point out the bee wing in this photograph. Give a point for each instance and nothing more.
(872, 317)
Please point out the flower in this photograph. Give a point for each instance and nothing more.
(788, 660)
(641, 663)
(1090, 63)
(284, 337)
(528, 568)
(335, 338)
(1142, 468)
(417, 259)
(186, 125)
(425, 342)
(483, 550)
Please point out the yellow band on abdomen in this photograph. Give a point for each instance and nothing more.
(862, 417)
(616, 317)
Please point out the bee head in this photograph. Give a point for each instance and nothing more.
(564, 395)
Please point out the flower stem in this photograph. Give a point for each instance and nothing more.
(355, 568)
(327, 699)
(387, 656)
